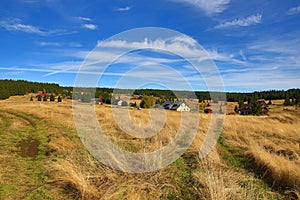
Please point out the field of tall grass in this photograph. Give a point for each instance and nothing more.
(257, 157)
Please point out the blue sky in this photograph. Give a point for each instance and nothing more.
(254, 44)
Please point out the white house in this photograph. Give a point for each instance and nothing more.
(176, 105)
(117, 102)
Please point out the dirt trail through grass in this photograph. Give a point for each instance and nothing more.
(22, 156)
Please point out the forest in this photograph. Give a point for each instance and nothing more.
(20, 87)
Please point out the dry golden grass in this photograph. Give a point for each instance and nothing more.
(271, 143)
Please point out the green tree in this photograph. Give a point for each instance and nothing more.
(158, 101)
(59, 99)
(297, 100)
(293, 102)
(255, 108)
(52, 98)
(45, 98)
(236, 110)
(287, 101)
(147, 102)
(108, 101)
(39, 98)
(270, 102)
(133, 104)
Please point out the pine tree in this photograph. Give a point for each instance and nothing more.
(236, 110)
(293, 102)
(52, 98)
(297, 100)
(270, 102)
(287, 101)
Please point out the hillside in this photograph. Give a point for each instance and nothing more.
(257, 157)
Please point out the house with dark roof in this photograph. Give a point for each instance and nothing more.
(176, 105)
(117, 102)
(246, 109)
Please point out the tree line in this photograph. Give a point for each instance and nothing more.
(20, 87)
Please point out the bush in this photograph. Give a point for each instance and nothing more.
(108, 101)
(270, 102)
(147, 102)
(59, 99)
(45, 98)
(133, 104)
(31, 98)
(52, 98)
(236, 110)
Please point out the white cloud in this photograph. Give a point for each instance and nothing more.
(43, 43)
(89, 26)
(58, 44)
(16, 25)
(294, 11)
(210, 7)
(84, 18)
(248, 21)
(224, 57)
(184, 46)
(127, 8)
(243, 55)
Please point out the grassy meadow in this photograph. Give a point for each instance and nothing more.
(42, 157)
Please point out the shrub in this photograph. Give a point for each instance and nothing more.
(52, 98)
(133, 104)
(270, 102)
(59, 99)
(147, 102)
(236, 110)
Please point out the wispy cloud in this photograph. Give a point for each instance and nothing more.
(15, 24)
(294, 11)
(84, 19)
(58, 44)
(243, 55)
(43, 43)
(126, 8)
(224, 57)
(209, 7)
(89, 26)
(248, 21)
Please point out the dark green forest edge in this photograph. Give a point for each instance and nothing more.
(20, 87)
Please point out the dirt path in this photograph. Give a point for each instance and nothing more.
(22, 156)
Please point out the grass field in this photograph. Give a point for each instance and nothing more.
(41, 156)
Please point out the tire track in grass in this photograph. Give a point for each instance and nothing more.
(22, 158)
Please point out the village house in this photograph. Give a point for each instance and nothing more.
(246, 109)
(43, 94)
(176, 105)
